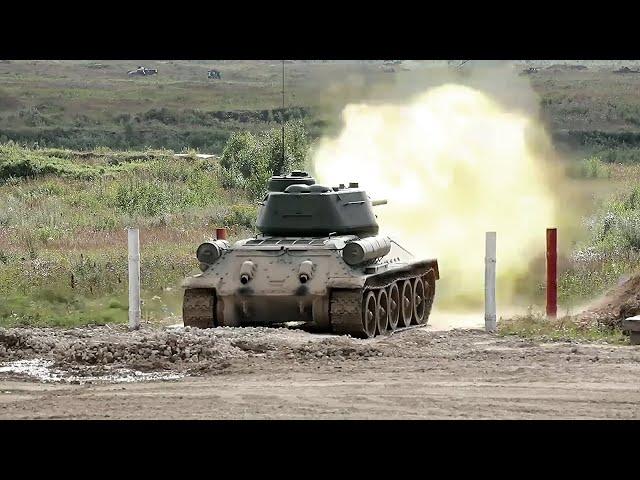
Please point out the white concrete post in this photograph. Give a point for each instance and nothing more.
(490, 282)
(134, 278)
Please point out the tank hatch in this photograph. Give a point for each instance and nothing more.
(297, 206)
(279, 183)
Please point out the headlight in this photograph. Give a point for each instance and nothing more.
(209, 252)
(247, 271)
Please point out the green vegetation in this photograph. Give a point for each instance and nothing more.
(610, 250)
(63, 215)
(248, 161)
(83, 105)
(591, 167)
(538, 327)
(621, 155)
(48, 308)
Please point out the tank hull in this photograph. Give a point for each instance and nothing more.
(261, 283)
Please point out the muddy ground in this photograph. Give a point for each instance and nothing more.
(159, 372)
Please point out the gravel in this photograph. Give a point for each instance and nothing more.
(176, 348)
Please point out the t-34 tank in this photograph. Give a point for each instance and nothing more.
(318, 259)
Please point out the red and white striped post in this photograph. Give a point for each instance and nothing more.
(552, 272)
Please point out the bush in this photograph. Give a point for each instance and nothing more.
(620, 155)
(20, 162)
(248, 161)
(615, 229)
(591, 167)
(143, 198)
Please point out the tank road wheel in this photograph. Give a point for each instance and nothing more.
(406, 303)
(370, 314)
(394, 306)
(419, 302)
(198, 308)
(382, 312)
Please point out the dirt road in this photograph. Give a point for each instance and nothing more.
(279, 373)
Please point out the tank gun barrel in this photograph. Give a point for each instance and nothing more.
(375, 203)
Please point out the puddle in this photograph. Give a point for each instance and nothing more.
(44, 371)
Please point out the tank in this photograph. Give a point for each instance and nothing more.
(318, 259)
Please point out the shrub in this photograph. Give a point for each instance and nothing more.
(142, 197)
(591, 167)
(248, 161)
(19, 162)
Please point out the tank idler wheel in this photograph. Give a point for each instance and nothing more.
(406, 303)
(369, 314)
(419, 301)
(394, 306)
(382, 312)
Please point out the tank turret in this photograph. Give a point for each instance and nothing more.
(297, 205)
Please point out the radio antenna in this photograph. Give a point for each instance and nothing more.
(282, 117)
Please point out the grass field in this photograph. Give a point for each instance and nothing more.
(86, 104)
(72, 104)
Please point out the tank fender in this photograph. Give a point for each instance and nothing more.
(201, 281)
(420, 268)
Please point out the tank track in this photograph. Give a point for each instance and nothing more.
(198, 308)
(346, 306)
(346, 312)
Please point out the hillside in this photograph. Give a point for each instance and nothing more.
(86, 104)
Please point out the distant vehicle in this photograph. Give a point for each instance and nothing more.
(626, 70)
(389, 70)
(214, 74)
(566, 68)
(142, 71)
(529, 71)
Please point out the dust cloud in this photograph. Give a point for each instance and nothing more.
(454, 161)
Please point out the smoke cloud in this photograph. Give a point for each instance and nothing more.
(454, 161)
